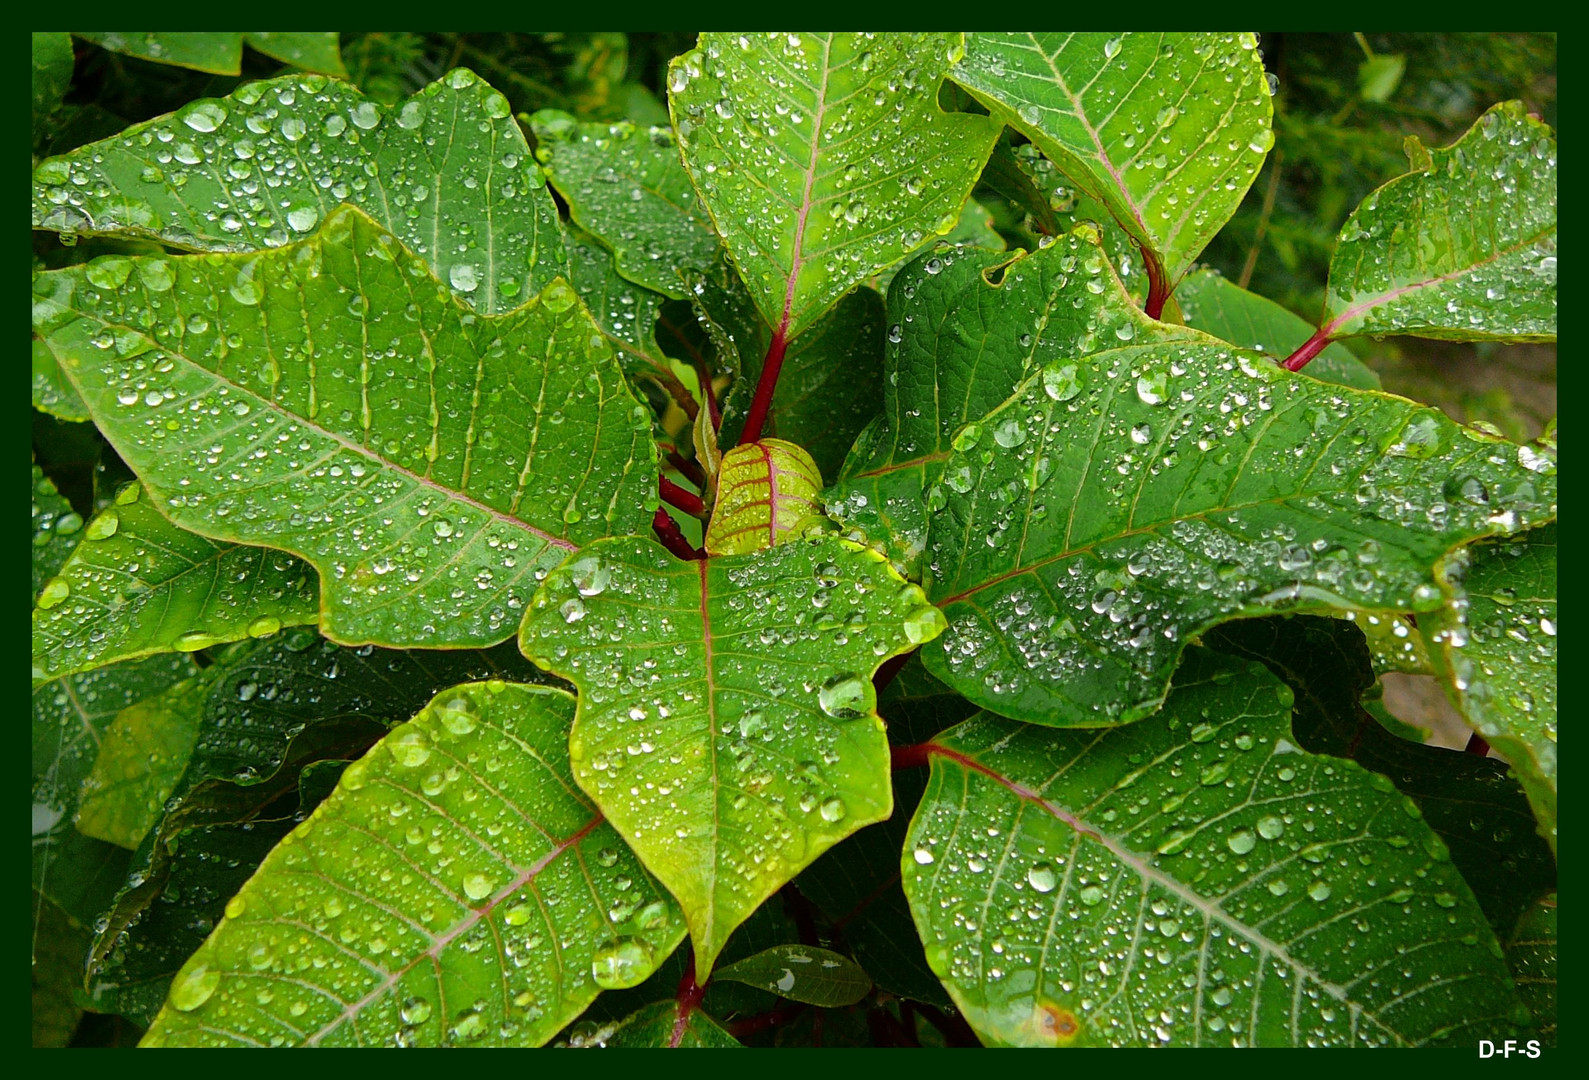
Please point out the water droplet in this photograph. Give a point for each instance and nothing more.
(590, 575)
(1091, 895)
(833, 809)
(846, 696)
(1042, 877)
(104, 526)
(477, 886)
(416, 1010)
(924, 624)
(1242, 842)
(622, 963)
(194, 987)
(923, 856)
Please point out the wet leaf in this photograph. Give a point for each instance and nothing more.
(1531, 951)
(974, 229)
(222, 54)
(56, 531)
(1393, 642)
(823, 158)
(766, 495)
(59, 945)
(51, 70)
(1495, 645)
(140, 585)
(1167, 131)
(1215, 305)
(52, 390)
(726, 721)
(628, 187)
(1463, 247)
(517, 906)
(625, 312)
(656, 1026)
(447, 171)
(1194, 879)
(332, 399)
(802, 973)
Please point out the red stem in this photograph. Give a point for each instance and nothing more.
(1158, 284)
(709, 396)
(759, 406)
(667, 531)
(689, 997)
(680, 498)
(1310, 348)
(910, 757)
(691, 469)
(761, 1022)
(1477, 746)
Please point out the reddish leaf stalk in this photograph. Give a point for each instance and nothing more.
(689, 997)
(910, 757)
(1158, 284)
(1308, 350)
(680, 498)
(667, 531)
(762, 1021)
(691, 470)
(1477, 746)
(709, 396)
(770, 367)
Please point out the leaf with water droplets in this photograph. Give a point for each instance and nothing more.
(974, 229)
(139, 585)
(332, 399)
(802, 973)
(658, 1026)
(766, 495)
(222, 53)
(52, 391)
(726, 721)
(1084, 529)
(1462, 248)
(1495, 647)
(1194, 879)
(517, 905)
(56, 531)
(1212, 303)
(626, 313)
(628, 187)
(1470, 802)
(1167, 131)
(822, 158)
(51, 69)
(447, 171)
(1531, 950)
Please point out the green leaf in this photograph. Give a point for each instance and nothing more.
(1531, 951)
(1190, 880)
(1462, 248)
(1379, 76)
(138, 585)
(625, 312)
(1113, 507)
(802, 973)
(59, 945)
(1495, 644)
(1167, 131)
(222, 53)
(1393, 642)
(428, 462)
(52, 391)
(629, 188)
(447, 171)
(974, 229)
(658, 1026)
(56, 528)
(1479, 812)
(51, 69)
(822, 158)
(726, 721)
(766, 495)
(1058, 207)
(1215, 305)
(516, 905)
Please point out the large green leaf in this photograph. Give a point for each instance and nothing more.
(628, 187)
(514, 905)
(1463, 247)
(222, 53)
(1496, 645)
(1216, 305)
(1194, 879)
(726, 721)
(1481, 813)
(447, 171)
(1167, 131)
(1532, 950)
(822, 158)
(1115, 506)
(137, 585)
(333, 399)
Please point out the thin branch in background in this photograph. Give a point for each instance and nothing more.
(1263, 218)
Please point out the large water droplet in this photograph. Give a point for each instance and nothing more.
(845, 697)
(622, 963)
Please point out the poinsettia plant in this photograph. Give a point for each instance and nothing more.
(692, 578)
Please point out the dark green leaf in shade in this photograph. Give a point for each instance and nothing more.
(447, 171)
(802, 973)
(1194, 879)
(59, 945)
(56, 530)
(517, 903)
(658, 1026)
(51, 70)
(625, 312)
(222, 53)
(1531, 950)
(429, 462)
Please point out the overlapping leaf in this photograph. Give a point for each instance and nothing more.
(51, 70)
(56, 529)
(1532, 951)
(1143, 483)
(137, 585)
(1461, 248)
(1496, 645)
(766, 495)
(625, 312)
(628, 187)
(1167, 131)
(726, 721)
(661, 1026)
(822, 158)
(447, 171)
(334, 400)
(58, 947)
(1194, 879)
(516, 904)
(222, 53)
(802, 973)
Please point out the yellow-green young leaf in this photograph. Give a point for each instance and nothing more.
(1193, 880)
(659, 1026)
(627, 187)
(139, 585)
(1167, 131)
(727, 722)
(1461, 248)
(1495, 646)
(822, 158)
(767, 493)
(333, 399)
(222, 53)
(455, 889)
(802, 973)
(447, 171)
(1531, 951)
